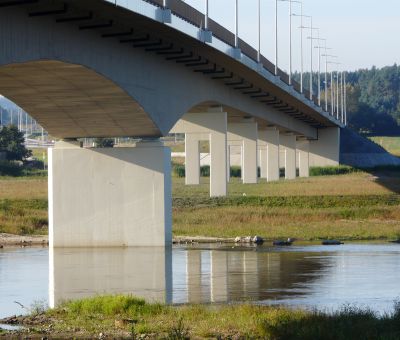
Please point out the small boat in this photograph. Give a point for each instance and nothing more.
(282, 243)
(332, 243)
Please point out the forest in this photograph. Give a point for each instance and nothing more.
(373, 99)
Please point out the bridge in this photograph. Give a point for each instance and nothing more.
(145, 69)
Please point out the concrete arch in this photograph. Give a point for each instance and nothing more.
(73, 101)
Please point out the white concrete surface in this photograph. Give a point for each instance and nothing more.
(303, 147)
(192, 159)
(110, 197)
(268, 142)
(245, 134)
(325, 151)
(288, 144)
(211, 126)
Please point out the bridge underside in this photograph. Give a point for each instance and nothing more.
(73, 101)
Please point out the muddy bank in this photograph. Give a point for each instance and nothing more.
(9, 240)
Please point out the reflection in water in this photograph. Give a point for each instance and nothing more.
(311, 276)
(77, 273)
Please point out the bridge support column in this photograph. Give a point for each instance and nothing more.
(325, 150)
(192, 159)
(210, 126)
(303, 147)
(268, 141)
(110, 197)
(246, 134)
(288, 143)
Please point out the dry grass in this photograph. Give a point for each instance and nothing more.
(352, 184)
(23, 188)
(391, 144)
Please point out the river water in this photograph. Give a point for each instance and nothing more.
(312, 276)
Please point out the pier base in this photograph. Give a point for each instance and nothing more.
(110, 197)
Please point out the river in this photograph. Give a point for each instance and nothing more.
(307, 276)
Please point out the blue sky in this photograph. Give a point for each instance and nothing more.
(362, 33)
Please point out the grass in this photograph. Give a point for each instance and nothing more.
(130, 317)
(355, 206)
(391, 144)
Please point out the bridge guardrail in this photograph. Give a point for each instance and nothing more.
(196, 18)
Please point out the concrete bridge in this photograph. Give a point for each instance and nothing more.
(99, 68)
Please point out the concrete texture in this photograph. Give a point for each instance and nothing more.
(288, 144)
(245, 134)
(192, 159)
(303, 159)
(268, 141)
(325, 150)
(110, 197)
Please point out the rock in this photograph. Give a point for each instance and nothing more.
(331, 243)
(396, 241)
(282, 243)
(1, 246)
(258, 240)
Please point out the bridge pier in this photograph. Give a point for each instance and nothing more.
(246, 135)
(325, 150)
(210, 126)
(288, 143)
(268, 141)
(303, 157)
(110, 197)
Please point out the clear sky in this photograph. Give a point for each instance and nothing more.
(362, 33)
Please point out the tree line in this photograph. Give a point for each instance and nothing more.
(373, 99)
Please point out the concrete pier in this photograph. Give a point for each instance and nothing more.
(245, 134)
(303, 159)
(268, 143)
(211, 126)
(288, 144)
(325, 150)
(110, 197)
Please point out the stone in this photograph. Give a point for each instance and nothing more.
(258, 240)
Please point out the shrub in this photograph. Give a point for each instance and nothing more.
(10, 168)
(332, 170)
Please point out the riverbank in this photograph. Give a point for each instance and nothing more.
(352, 207)
(126, 317)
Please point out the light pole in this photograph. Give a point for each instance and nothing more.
(205, 15)
(276, 37)
(236, 23)
(311, 28)
(290, 36)
(259, 32)
(345, 99)
(319, 66)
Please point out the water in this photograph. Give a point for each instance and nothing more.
(323, 277)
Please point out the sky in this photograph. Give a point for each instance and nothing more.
(362, 33)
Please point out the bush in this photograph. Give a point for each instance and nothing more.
(179, 171)
(10, 168)
(332, 170)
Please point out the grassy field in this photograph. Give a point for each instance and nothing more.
(131, 318)
(391, 144)
(358, 206)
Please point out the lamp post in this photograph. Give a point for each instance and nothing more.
(319, 67)
(290, 35)
(236, 23)
(205, 15)
(311, 28)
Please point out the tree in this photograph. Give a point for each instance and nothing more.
(104, 142)
(12, 142)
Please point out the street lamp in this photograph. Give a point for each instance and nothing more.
(311, 28)
(290, 35)
(319, 67)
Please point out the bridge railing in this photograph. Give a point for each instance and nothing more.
(196, 18)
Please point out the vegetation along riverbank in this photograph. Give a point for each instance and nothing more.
(127, 317)
(354, 206)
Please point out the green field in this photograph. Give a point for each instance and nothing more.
(357, 206)
(391, 144)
